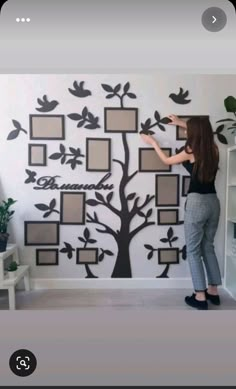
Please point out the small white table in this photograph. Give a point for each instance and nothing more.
(10, 283)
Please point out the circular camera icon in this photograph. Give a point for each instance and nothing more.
(22, 363)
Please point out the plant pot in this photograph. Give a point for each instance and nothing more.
(12, 274)
(3, 241)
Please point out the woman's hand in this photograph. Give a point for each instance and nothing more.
(148, 139)
(176, 121)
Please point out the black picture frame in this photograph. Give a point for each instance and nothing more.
(62, 194)
(168, 168)
(170, 249)
(30, 147)
(135, 110)
(54, 243)
(78, 249)
(160, 211)
(184, 178)
(108, 140)
(38, 251)
(178, 137)
(32, 137)
(168, 204)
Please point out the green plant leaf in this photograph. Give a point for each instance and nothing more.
(230, 104)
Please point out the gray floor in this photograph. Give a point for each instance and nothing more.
(76, 299)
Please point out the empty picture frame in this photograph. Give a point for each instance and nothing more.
(167, 190)
(180, 132)
(48, 127)
(40, 233)
(120, 119)
(46, 257)
(185, 185)
(167, 217)
(149, 161)
(98, 154)
(168, 256)
(37, 155)
(72, 208)
(87, 256)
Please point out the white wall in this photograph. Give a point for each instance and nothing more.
(18, 99)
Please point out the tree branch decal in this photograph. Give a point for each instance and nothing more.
(147, 125)
(85, 117)
(62, 155)
(18, 129)
(48, 209)
(112, 92)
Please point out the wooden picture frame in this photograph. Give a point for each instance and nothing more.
(168, 256)
(37, 154)
(41, 253)
(167, 190)
(84, 256)
(185, 185)
(167, 217)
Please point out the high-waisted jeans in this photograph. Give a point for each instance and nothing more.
(202, 212)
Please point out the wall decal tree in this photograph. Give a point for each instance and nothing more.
(130, 205)
(85, 117)
(170, 238)
(85, 239)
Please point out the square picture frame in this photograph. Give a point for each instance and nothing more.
(120, 120)
(47, 127)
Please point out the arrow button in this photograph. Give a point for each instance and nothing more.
(214, 19)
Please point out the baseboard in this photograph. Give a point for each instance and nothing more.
(110, 283)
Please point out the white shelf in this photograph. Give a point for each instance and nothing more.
(22, 269)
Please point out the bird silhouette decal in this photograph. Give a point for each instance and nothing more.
(46, 106)
(181, 97)
(79, 90)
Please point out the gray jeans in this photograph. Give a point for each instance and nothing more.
(202, 212)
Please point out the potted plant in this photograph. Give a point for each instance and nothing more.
(5, 216)
(12, 269)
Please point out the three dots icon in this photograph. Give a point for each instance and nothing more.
(22, 20)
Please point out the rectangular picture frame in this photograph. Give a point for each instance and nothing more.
(118, 124)
(185, 185)
(86, 251)
(47, 251)
(170, 220)
(36, 157)
(70, 215)
(102, 160)
(53, 127)
(164, 196)
(41, 233)
(152, 158)
(168, 252)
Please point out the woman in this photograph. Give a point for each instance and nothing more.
(202, 208)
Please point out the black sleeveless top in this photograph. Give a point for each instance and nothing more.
(195, 185)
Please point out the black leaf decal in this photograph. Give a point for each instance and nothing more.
(126, 87)
(13, 134)
(108, 252)
(170, 233)
(92, 202)
(149, 212)
(117, 88)
(110, 96)
(85, 112)
(131, 196)
(74, 116)
(150, 255)
(107, 88)
(42, 207)
(55, 156)
(174, 239)
(86, 233)
(52, 204)
(47, 214)
(184, 252)
(140, 213)
(164, 240)
(131, 95)
(220, 129)
(222, 139)
(109, 197)
(16, 124)
(165, 120)
(157, 116)
(148, 247)
(162, 128)
(82, 239)
(101, 257)
(92, 126)
(62, 148)
(81, 123)
(99, 196)
(91, 241)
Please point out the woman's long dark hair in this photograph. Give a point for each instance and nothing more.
(200, 142)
